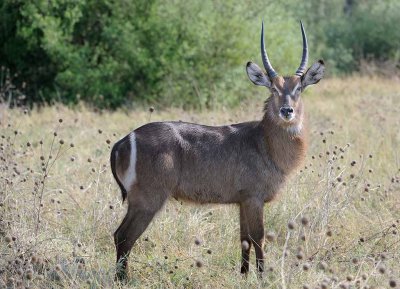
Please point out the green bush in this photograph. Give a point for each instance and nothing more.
(180, 52)
(110, 53)
(366, 31)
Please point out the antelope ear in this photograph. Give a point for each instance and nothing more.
(314, 74)
(257, 76)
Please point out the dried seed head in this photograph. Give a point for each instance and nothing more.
(60, 120)
(151, 109)
(304, 221)
(382, 269)
(270, 236)
(324, 285)
(354, 261)
(364, 276)
(323, 266)
(392, 283)
(34, 259)
(349, 278)
(199, 264)
(58, 267)
(300, 255)
(209, 251)
(291, 225)
(197, 241)
(245, 245)
(29, 275)
(306, 266)
(329, 233)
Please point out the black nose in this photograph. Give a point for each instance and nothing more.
(286, 111)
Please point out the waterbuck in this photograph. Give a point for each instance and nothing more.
(245, 163)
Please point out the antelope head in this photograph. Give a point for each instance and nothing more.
(285, 107)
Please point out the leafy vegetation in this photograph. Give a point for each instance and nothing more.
(186, 53)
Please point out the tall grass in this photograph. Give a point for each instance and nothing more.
(335, 225)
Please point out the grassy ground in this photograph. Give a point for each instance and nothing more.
(59, 204)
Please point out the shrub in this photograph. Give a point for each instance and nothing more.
(111, 53)
(184, 53)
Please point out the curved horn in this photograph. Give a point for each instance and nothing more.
(304, 59)
(264, 56)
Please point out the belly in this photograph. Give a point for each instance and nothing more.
(233, 187)
(207, 195)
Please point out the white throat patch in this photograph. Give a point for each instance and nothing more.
(295, 130)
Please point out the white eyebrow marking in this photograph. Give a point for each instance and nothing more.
(278, 90)
(294, 90)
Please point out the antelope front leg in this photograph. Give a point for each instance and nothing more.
(251, 220)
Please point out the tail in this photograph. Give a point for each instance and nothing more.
(113, 159)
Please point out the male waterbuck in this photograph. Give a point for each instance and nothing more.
(245, 163)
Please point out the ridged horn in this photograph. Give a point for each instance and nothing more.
(264, 56)
(304, 59)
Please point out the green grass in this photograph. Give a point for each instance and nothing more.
(353, 211)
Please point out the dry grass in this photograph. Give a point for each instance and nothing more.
(59, 204)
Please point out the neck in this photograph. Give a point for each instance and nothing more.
(286, 146)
